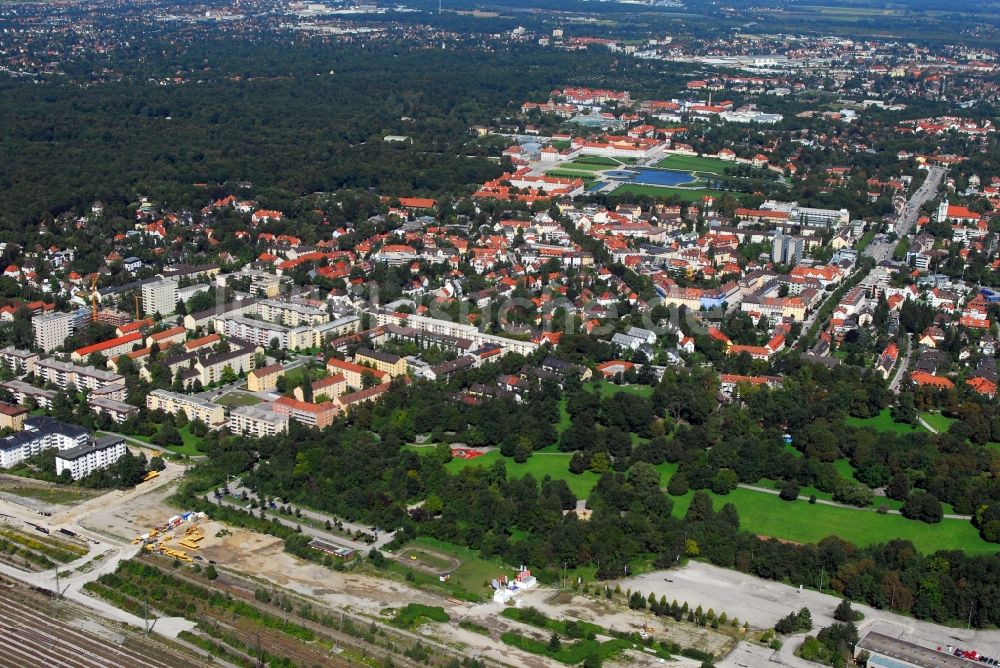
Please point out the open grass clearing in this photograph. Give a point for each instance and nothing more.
(883, 422)
(609, 389)
(802, 522)
(540, 464)
(938, 422)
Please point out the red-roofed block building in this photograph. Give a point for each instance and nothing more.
(110, 348)
(312, 415)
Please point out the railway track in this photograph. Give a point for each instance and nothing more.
(31, 634)
(338, 637)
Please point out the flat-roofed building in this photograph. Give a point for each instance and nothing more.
(292, 312)
(888, 652)
(193, 321)
(257, 421)
(350, 324)
(118, 411)
(39, 433)
(89, 378)
(83, 460)
(263, 333)
(211, 414)
(23, 392)
(438, 326)
(393, 365)
(159, 297)
(51, 330)
(18, 361)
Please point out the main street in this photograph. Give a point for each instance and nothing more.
(927, 191)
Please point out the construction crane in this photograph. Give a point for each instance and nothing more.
(135, 299)
(93, 296)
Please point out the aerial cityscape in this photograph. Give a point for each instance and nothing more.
(480, 334)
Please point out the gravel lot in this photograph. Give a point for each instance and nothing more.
(762, 603)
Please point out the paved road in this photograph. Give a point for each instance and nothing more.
(901, 368)
(291, 521)
(926, 192)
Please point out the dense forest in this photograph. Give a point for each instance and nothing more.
(287, 120)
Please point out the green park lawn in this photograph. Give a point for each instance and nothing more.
(474, 572)
(600, 161)
(541, 464)
(192, 443)
(883, 422)
(802, 522)
(609, 389)
(694, 163)
(938, 422)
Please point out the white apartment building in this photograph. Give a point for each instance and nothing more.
(84, 459)
(39, 433)
(458, 330)
(291, 313)
(159, 297)
(89, 378)
(18, 361)
(261, 332)
(256, 421)
(51, 330)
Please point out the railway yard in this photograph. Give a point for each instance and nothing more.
(39, 630)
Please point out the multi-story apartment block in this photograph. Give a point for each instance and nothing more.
(292, 312)
(393, 365)
(19, 362)
(51, 330)
(89, 378)
(84, 459)
(211, 414)
(312, 415)
(39, 433)
(256, 421)
(159, 297)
